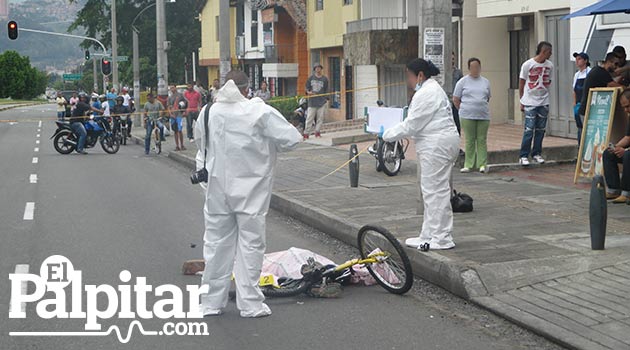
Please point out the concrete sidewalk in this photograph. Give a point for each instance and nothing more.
(524, 253)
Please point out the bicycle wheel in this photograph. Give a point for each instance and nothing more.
(390, 162)
(394, 271)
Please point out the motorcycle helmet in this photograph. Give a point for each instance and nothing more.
(102, 98)
(120, 99)
(82, 96)
(94, 97)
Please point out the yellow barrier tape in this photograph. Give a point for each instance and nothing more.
(343, 165)
(295, 98)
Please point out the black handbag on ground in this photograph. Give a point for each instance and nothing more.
(461, 202)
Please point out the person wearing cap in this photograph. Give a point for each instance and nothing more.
(317, 90)
(583, 64)
(622, 73)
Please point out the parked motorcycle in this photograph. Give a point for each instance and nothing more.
(98, 130)
(389, 155)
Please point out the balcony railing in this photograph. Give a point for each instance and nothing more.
(280, 54)
(379, 23)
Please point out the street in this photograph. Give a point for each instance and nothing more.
(108, 213)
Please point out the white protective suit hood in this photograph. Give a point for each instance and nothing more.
(244, 137)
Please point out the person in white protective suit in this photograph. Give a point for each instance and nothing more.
(244, 137)
(430, 124)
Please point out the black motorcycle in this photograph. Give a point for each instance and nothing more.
(98, 130)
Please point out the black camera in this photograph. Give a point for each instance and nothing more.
(199, 176)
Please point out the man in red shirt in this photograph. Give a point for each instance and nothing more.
(192, 112)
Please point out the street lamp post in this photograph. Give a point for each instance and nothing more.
(136, 53)
(162, 70)
(114, 47)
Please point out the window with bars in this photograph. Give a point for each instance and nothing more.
(319, 5)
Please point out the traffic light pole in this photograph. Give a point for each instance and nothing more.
(76, 37)
(94, 73)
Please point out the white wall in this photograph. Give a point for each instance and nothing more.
(488, 40)
(365, 77)
(493, 8)
(257, 52)
(580, 29)
(391, 8)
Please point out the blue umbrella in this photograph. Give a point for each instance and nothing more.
(602, 7)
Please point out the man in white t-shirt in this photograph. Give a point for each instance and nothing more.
(535, 80)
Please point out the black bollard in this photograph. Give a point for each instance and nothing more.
(598, 213)
(354, 166)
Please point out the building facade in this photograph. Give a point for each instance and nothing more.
(326, 22)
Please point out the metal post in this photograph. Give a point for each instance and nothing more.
(160, 34)
(194, 66)
(114, 47)
(224, 39)
(598, 213)
(94, 74)
(354, 166)
(136, 73)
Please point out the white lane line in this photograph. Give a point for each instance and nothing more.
(35, 160)
(37, 135)
(39, 130)
(40, 124)
(36, 149)
(33, 178)
(21, 268)
(37, 142)
(29, 210)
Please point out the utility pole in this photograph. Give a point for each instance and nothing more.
(194, 66)
(136, 65)
(224, 39)
(114, 47)
(94, 73)
(162, 74)
(435, 28)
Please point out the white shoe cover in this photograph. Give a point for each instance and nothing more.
(263, 312)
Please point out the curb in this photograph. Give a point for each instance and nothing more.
(457, 278)
(2, 109)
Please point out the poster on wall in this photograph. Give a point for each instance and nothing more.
(434, 49)
(600, 112)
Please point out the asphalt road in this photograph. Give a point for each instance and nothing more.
(108, 213)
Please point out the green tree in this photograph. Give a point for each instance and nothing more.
(183, 31)
(18, 79)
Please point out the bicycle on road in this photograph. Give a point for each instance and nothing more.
(381, 253)
(156, 127)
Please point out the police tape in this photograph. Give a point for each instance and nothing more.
(343, 165)
(291, 98)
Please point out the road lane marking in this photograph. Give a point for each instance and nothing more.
(37, 142)
(40, 124)
(29, 210)
(33, 178)
(37, 135)
(36, 149)
(35, 160)
(39, 130)
(21, 268)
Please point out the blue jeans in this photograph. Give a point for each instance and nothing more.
(535, 126)
(147, 136)
(61, 115)
(79, 129)
(578, 121)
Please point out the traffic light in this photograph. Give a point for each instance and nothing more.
(87, 55)
(13, 30)
(106, 66)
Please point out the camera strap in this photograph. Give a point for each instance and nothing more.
(206, 120)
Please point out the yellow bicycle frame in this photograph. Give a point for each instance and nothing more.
(372, 259)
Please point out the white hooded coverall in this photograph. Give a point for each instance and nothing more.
(244, 137)
(430, 124)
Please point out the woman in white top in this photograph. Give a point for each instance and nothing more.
(430, 124)
(471, 97)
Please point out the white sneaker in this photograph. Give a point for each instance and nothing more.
(539, 159)
(464, 170)
(523, 161)
(483, 170)
(191, 140)
(209, 312)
